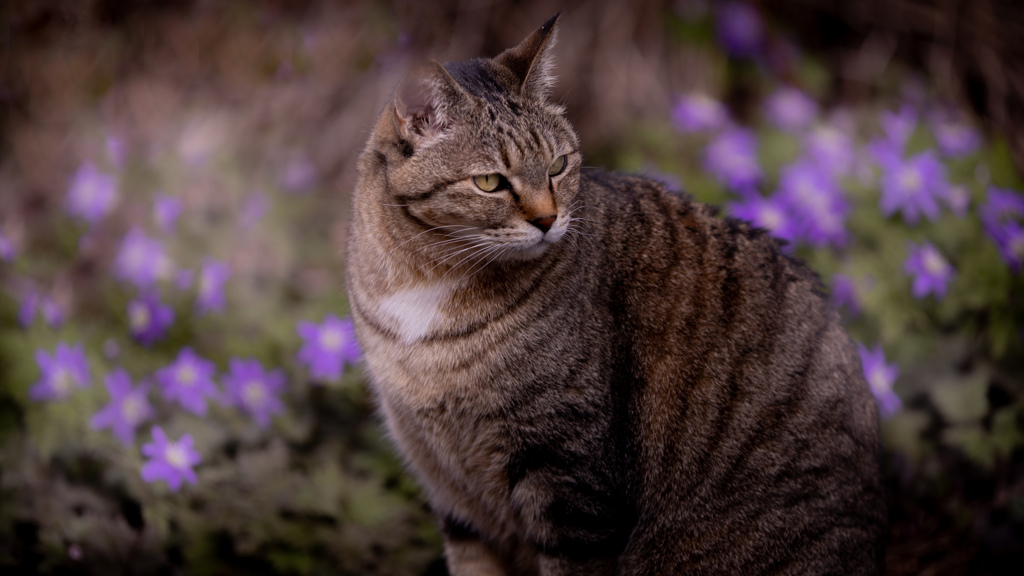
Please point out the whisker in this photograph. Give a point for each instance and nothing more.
(574, 205)
(578, 231)
(498, 254)
(474, 246)
(475, 257)
(424, 232)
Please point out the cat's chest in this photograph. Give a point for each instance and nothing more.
(415, 313)
(421, 350)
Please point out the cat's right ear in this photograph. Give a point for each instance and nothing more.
(423, 104)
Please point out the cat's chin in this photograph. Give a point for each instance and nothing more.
(531, 252)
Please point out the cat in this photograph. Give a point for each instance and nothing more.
(590, 373)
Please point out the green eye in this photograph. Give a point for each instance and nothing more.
(487, 182)
(557, 167)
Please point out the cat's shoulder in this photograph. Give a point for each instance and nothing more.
(658, 193)
(661, 200)
(629, 182)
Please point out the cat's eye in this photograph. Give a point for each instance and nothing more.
(557, 167)
(488, 182)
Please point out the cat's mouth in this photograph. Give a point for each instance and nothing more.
(476, 248)
(537, 244)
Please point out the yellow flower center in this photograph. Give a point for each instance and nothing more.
(877, 379)
(176, 455)
(1017, 247)
(136, 257)
(254, 394)
(704, 106)
(132, 409)
(88, 191)
(139, 317)
(910, 180)
(63, 382)
(331, 339)
(829, 138)
(187, 375)
(771, 217)
(810, 195)
(933, 262)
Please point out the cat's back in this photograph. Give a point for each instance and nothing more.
(753, 416)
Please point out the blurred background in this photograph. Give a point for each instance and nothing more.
(180, 390)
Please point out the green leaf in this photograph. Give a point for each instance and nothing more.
(962, 400)
(1006, 431)
(973, 441)
(903, 433)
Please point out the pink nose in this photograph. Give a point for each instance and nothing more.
(544, 223)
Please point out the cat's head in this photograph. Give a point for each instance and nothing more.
(476, 152)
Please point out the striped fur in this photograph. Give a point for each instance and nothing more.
(644, 388)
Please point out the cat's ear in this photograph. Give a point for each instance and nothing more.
(532, 60)
(424, 102)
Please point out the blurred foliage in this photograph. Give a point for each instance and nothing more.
(224, 104)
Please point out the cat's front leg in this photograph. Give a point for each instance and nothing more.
(467, 552)
(471, 557)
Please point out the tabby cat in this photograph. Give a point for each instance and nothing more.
(590, 373)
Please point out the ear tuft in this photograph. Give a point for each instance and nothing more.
(532, 61)
(423, 104)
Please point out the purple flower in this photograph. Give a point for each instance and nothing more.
(169, 461)
(254, 390)
(327, 346)
(141, 260)
(913, 187)
(115, 151)
(127, 409)
(790, 109)
(31, 301)
(930, 270)
(884, 153)
(958, 198)
(1011, 246)
(148, 319)
(111, 349)
(183, 278)
(699, 113)
(844, 294)
(299, 175)
(880, 377)
(1003, 206)
(831, 149)
(768, 213)
(253, 210)
(739, 29)
(166, 210)
(955, 137)
(62, 372)
(92, 193)
(188, 381)
(1002, 216)
(52, 312)
(27, 310)
(732, 159)
(815, 200)
(898, 126)
(211, 286)
(7, 251)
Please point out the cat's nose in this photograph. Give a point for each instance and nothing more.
(544, 223)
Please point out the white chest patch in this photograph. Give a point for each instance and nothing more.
(415, 312)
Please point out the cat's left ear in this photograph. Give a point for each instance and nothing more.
(424, 102)
(532, 60)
